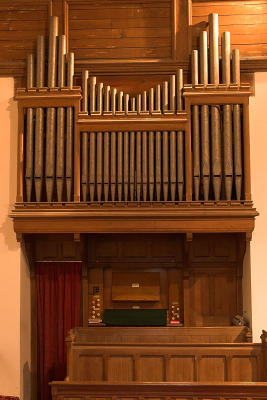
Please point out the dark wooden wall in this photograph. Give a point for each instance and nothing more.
(245, 20)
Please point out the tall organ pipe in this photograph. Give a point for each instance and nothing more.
(69, 130)
(237, 127)
(180, 138)
(106, 165)
(126, 164)
(113, 158)
(120, 165)
(158, 165)
(195, 129)
(113, 162)
(30, 131)
(132, 165)
(205, 141)
(138, 166)
(215, 110)
(60, 153)
(39, 125)
(151, 166)
(165, 166)
(144, 164)
(84, 165)
(92, 162)
(99, 168)
(51, 111)
(227, 119)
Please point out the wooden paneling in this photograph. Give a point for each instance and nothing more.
(20, 23)
(108, 30)
(245, 20)
(181, 369)
(55, 248)
(151, 361)
(212, 297)
(137, 250)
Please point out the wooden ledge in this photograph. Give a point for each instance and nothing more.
(162, 389)
(185, 217)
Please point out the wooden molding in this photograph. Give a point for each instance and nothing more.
(163, 389)
(184, 217)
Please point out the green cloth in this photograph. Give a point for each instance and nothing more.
(142, 317)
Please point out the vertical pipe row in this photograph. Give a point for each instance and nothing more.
(60, 152)
(205, 140)
(237, 127)
(69, 129)
(29, 131)
(215, 110)
(195, 129)
(227, 119)
(180, 138)
(51, 111)
(39, 125)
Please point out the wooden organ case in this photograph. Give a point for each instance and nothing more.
(141, 170)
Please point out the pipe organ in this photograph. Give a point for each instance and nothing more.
(173, 142)
(144, 177)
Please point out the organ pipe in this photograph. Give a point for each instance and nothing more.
(120, 165)
(237, 126)
(227, 119)
(39, 125)
(60, 153)
(29, 132)
(195, 129)
(84, 165)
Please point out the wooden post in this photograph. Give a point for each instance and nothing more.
(264, 351)
(246, 141)
(20, 153)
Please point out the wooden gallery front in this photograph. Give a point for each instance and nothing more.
(134, 202)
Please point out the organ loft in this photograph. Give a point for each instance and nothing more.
(134, 204)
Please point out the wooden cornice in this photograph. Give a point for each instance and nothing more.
(186, 217)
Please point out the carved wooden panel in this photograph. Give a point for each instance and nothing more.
(138, 250)
(246, 21)
(213, 297)
(119, 30)
(214, 249)
(57, 248)
(161, 363)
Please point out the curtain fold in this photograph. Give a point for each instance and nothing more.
(58, 287)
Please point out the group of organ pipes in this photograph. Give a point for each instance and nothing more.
(134, 165)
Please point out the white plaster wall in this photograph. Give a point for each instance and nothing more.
(258, 246)
(9, 248)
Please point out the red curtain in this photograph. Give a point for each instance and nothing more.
(58, 287)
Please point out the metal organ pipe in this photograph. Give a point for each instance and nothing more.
(69, 129)
(60, 152)
(215, 110)
(195, 129)
(204, 117)
(51, 111)
(237, 127)
(30, 131)
(227, 119)
(180, 137)
(39, 125)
